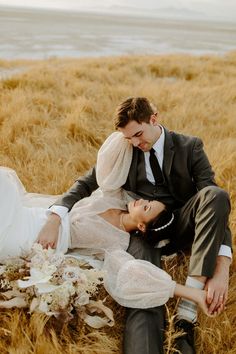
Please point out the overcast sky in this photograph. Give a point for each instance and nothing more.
(225, 9)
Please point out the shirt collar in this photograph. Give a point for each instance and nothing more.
(159, 144)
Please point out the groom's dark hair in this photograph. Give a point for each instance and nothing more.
(138, 109)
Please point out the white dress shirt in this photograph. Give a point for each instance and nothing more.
(59, 210)
(159, 152)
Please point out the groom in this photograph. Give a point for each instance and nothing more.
(174, 169)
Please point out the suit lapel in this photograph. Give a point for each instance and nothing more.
(168, 152)
(133, 170)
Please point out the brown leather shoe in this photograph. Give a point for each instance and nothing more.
(185, 343)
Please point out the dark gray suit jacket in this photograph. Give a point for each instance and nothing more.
(185, 164)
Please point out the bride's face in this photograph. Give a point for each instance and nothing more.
(144, 211)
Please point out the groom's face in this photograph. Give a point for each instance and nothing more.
(142, 135)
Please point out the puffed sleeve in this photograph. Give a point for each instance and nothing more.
(113, 162)
(136, 283)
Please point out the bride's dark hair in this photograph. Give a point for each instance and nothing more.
(160, 228)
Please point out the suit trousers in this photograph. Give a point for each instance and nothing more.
(201, 226)
(144, 329)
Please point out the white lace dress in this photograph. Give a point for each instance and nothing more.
(131, 282)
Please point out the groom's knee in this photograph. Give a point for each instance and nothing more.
(215, 196)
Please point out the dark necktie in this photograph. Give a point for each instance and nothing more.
(155, 167)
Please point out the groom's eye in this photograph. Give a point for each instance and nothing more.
(147, 207)
(139, 134)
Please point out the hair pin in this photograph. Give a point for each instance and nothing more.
(164, 226)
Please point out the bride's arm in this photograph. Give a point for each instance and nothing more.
(83, 187)
(196, 295)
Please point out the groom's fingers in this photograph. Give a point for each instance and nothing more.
(213, 299)
(213, 306)
(219, 310)
(217, 304)
(217, 292)
(210, 295)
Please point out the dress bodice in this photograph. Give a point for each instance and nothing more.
(88, 230)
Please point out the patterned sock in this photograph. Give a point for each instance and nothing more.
(187, 309)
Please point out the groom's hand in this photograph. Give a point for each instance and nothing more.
(48, 235)
(217, 286)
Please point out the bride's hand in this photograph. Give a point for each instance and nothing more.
(202, 303)
(48, 235)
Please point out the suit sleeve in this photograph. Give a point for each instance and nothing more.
(202, 172)
(82, 188)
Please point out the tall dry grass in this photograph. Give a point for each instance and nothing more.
(53, 118)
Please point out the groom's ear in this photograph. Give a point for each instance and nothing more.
(154, 119)
(141, 226)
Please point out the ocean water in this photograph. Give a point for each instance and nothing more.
(39, 34)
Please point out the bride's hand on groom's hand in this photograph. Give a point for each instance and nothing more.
(48, 235)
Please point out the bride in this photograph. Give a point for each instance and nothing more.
(100, 225)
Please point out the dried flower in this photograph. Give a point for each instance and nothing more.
(54, 284)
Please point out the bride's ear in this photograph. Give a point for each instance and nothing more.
(141, 226)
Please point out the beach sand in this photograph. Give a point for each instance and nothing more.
(31, 33)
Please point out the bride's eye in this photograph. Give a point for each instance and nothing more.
(147, 207)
